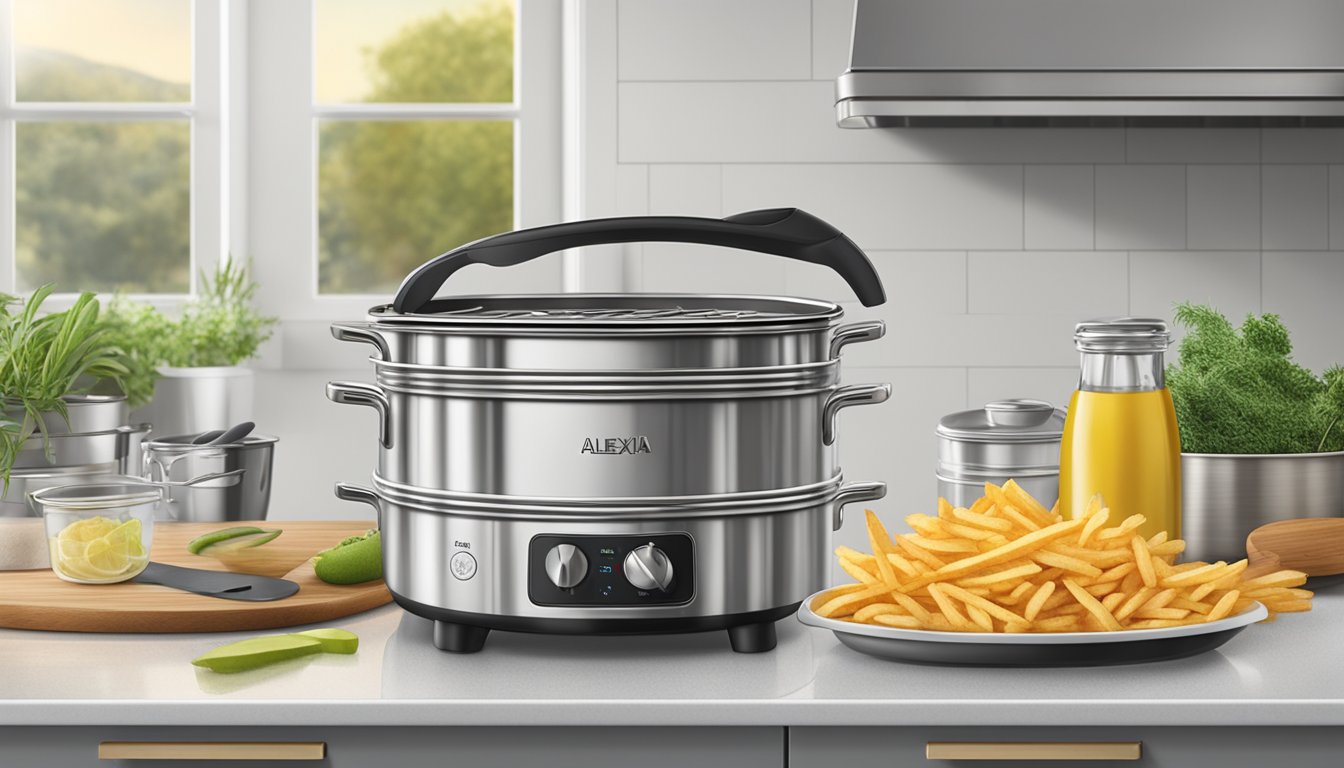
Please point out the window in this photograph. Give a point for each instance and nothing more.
(105, 171)
(404, 128)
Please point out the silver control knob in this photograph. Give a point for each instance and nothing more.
(648, 568)
(566, 565)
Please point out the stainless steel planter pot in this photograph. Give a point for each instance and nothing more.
(735, 563)
(1226, 496)
(598, 437)
(244, 496)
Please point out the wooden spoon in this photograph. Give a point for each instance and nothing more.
(1313, 545)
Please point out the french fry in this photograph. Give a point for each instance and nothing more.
(1064, 562)
(897, 620)
(1008, 574)
(1093, 607)
(1037, 600)
(1144, 560)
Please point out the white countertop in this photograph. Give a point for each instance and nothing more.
(1285, 673)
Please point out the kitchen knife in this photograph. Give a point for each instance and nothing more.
(230, 586)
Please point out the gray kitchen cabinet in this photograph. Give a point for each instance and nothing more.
(416, 747)
(1169, 747)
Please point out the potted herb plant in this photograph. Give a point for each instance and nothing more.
(198, 381)
(54, 375)
(1262, 438)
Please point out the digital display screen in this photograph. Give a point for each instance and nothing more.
(604, 569)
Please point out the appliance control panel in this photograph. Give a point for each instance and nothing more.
(597, 570)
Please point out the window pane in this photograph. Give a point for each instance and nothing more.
(455, 51)
(102, 50)
(103, 206)
(392, 195)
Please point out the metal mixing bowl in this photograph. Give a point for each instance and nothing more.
(1225, 496)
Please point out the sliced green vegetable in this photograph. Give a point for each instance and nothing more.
(231, 539)
(257, 652)
(353, 561)
(333, 640)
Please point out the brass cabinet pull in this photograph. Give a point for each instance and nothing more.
(212, 750)
(1028, 750)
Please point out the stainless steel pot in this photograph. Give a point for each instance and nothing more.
(1226, 496)
(737, 563)
(244, 494)
(595, 437)
(1006, 440)
(73, 458)
(592, 332)
(88, 413)
(120, 445)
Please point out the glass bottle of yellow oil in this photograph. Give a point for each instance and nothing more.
(1120, 437)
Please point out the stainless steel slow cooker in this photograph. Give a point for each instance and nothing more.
(612, 462)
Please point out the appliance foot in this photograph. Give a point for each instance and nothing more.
(753, 638)
(459, 638)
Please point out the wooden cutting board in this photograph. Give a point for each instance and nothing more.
(39, 600)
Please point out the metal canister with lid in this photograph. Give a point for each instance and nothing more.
(1007, 439)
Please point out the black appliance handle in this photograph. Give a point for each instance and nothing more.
(788, 232)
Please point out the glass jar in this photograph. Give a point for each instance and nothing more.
(99, 533)
(1120, 437)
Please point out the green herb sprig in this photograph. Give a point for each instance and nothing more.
(44, 358)
(1238, 390)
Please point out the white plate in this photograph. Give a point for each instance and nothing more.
(1045, 649)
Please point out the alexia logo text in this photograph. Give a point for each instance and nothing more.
(616, 445)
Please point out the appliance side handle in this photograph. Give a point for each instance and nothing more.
(358, 393)
(361, 332)
(787, 232)
(843, 397)
(868, 330)
(851, 493)
(358, 493)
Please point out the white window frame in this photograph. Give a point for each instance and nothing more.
(210, 230)
(282, 167)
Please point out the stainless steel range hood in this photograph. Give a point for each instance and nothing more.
(1012, 62)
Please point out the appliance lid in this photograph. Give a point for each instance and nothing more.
(1005, 421)
(611, 312)
(1013, 62)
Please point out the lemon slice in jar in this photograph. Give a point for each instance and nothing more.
(114, 553)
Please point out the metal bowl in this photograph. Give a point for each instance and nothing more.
(1225, 496)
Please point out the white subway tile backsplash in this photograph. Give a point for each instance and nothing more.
(832, 27)
(1223, 207)
(1303, 145)
(1059, 207)
(932, 282)
(1159, 281)
(714, 40)
(794, 122)
(321, 443)
(1337, 207)
(1140, 207)
(686, 190)
(908, 207)
(1304, 289)
(1070, 282)
(1053, 385)
(1192, 145)
(1043, 340)
(1295, 207)
(894, 442)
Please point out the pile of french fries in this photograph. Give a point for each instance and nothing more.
(1007, 564)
